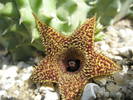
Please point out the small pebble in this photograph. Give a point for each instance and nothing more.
(119, 79)
(38, 97)
(118, 95)
(101, 81)
(89, 92)
(112, 87)
(3, 93)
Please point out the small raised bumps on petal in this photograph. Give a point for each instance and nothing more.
(78, 49)
(46, 71)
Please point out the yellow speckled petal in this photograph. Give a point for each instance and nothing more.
(102, 66)
(52, 40)
(46, 71)
(71, 87)
(84, 36)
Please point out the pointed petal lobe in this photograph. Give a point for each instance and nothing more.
(71, 87)
(84, 35)
(46, 71)
(103, 66)
(52, 40)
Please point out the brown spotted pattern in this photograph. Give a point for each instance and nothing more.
(80, 45)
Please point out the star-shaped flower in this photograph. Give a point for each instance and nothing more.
(71, 60)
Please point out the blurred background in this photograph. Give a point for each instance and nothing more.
(19, 37)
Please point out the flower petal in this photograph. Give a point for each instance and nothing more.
(51, 39)
(101, 66)
(84, 36)
(71, 86)
(46, 71)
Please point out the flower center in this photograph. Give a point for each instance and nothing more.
(72, 60)
(73, 65)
